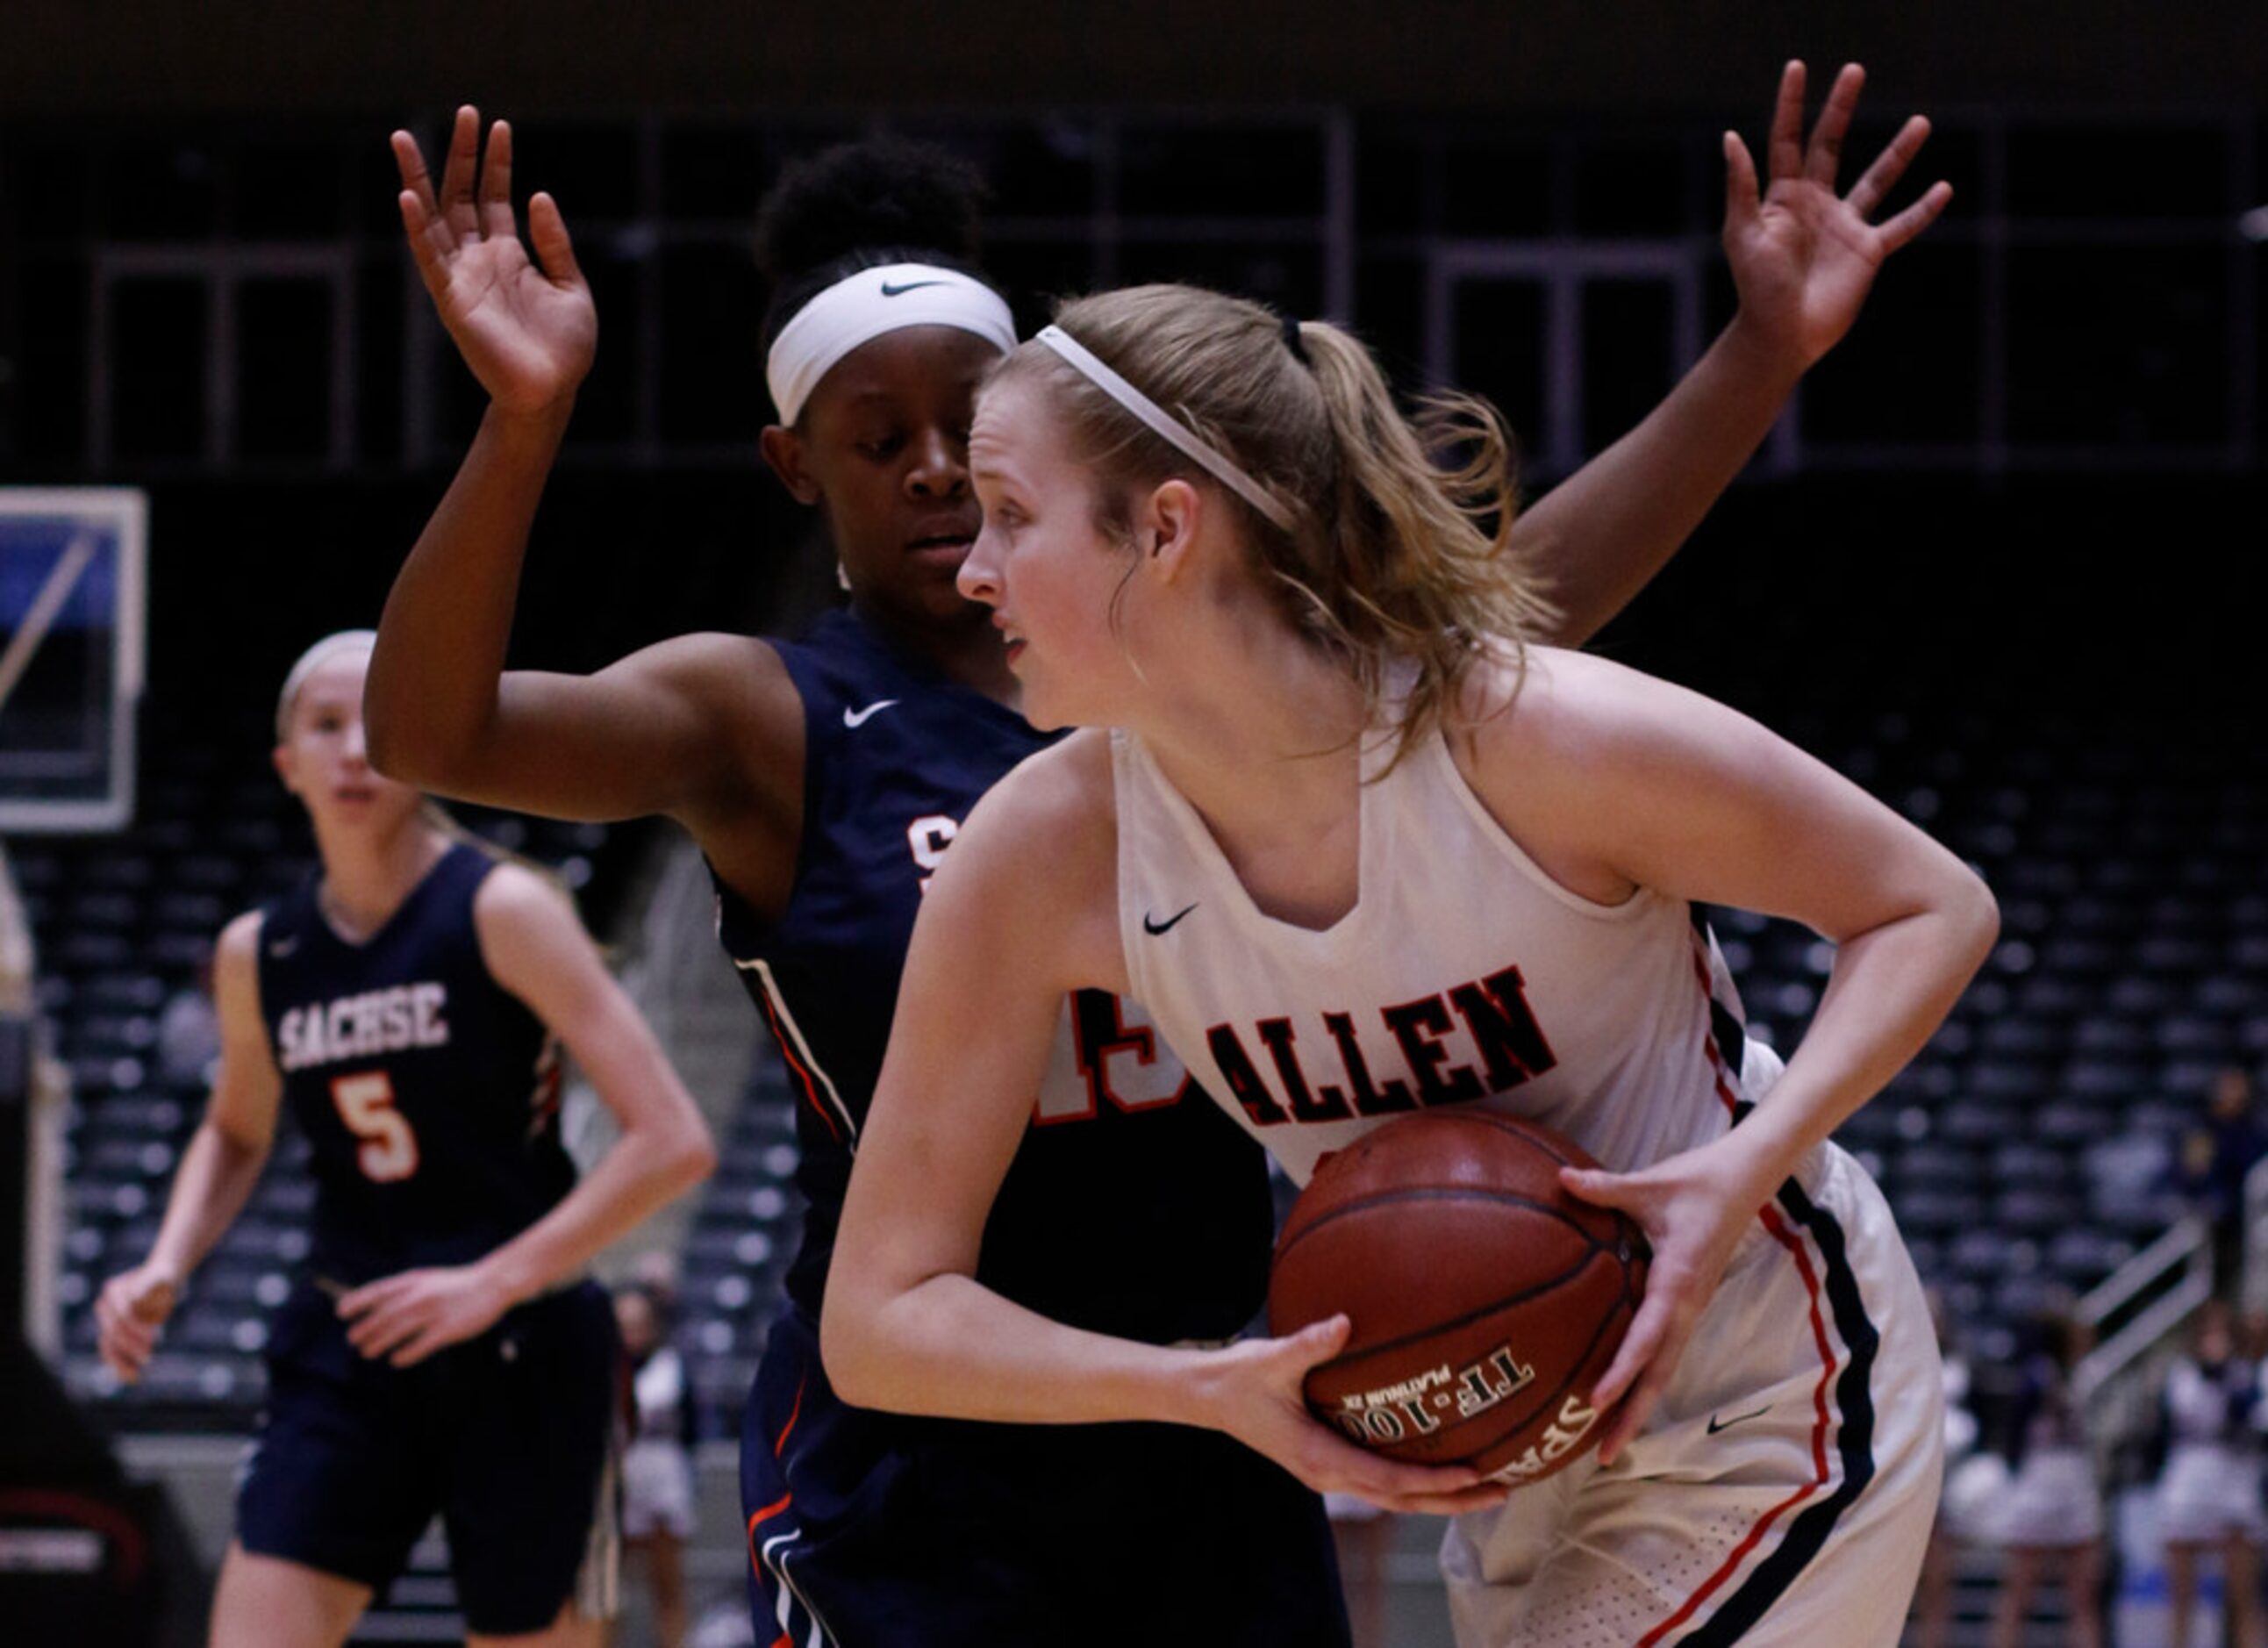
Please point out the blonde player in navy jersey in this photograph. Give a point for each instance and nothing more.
(438, 1355)
(1359, 849)
(824, 779)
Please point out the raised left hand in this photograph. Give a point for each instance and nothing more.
(1693, 1208)
(407, 1316)
(1802, 257)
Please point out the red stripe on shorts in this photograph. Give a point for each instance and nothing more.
(1789, 1240)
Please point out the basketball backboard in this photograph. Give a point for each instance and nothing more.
(72, 591)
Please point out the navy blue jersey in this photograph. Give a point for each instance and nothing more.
(429, 1093)
(1133, 1207)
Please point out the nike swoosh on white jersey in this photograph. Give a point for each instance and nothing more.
(857, 718)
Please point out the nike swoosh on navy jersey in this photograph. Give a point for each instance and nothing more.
(888, 290)
(858, 718)
(283, 947)
(1153, 926)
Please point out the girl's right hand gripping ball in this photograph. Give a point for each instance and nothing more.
(1485, 1300)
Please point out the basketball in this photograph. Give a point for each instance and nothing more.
(1485, 1301)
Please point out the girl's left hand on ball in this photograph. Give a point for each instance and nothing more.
(1693, 1208)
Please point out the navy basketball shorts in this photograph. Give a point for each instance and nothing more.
(507, 1438)
(869, 1530)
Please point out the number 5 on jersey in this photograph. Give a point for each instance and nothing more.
(365, 1102)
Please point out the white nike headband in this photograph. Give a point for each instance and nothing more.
(313, 659)
(1217, 463)
(863, 306)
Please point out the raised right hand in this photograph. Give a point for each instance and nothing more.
(527, 328)
(129, 1312)
(1256, 1395)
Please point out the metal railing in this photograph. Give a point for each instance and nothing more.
(2135, 1313)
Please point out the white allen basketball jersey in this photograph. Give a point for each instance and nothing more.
(1462, 975)
(1781, 1493)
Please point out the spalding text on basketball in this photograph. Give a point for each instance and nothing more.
(1574, 1421)
(1416, 1405)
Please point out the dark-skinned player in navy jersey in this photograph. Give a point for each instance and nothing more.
(824, 779)
(438, 1353)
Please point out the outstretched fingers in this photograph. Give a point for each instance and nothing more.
(430, 241)
(1875, 185)
(417, 184)
(1743, 200)
(554, 250)
(1916, 218)
(457, 175)
(1824, 156)
(1786, 147)
(496, 184)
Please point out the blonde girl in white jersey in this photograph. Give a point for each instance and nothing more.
(1342, 790)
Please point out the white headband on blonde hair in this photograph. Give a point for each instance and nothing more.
(1217, 463)
(868, 302)
(313, 659)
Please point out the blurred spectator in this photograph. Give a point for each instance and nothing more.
(1975, 1479)
(2209, 1495)
(658, 1465)
(2050, 1518)
(189, 1031)
(2216, 1157)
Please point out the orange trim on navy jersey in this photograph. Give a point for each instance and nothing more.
(768, 1513)
(787, 1052)
(794, 1413)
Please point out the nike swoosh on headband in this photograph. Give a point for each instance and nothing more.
(864, 304)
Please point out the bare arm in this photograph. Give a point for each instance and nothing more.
(218, 1172)
(695, 729)
(1803, 261)
(536, 948)
(1023, 909)
(1623, 782)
